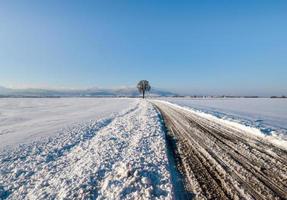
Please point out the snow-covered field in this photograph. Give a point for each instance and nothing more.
(267, 115)
(26, 119)
(82, 148)
(108, 148)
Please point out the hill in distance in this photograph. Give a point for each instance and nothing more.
(90, 92)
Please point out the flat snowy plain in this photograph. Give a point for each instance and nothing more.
(267, 115)
(28, 119)
(82, 148)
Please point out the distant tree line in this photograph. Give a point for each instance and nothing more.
(274, 97)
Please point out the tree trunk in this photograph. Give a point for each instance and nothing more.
(143, 94)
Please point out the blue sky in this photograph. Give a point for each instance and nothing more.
(193, 47)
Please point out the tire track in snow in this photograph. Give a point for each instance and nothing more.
(179, 188)
(223, 163)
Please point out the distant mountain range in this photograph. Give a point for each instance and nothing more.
(90, 92)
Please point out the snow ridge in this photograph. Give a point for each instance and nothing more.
(274, 138)
(121, 157)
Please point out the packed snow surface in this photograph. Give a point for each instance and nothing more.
(221, 159)
(111, 149)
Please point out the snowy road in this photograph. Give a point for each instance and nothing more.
(223, 162)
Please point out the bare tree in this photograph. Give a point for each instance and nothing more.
(143, 86)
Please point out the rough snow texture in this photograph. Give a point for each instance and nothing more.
(118, 157)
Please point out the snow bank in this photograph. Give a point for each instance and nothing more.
(273, 137)
(268, 115)
(118, 157)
